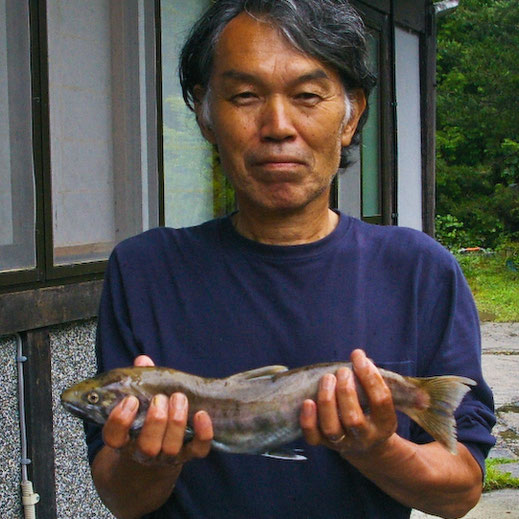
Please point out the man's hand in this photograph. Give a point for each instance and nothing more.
(162, 435)
(426, 477)
(337, 419)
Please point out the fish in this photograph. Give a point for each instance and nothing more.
(257, 411)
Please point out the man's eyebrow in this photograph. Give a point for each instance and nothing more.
(238, 75)
(318, 73)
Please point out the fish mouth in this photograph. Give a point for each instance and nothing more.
(89, 415)
(73, 408)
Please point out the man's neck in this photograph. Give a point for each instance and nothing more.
(286, 229)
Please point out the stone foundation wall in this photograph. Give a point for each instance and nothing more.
(72, 359)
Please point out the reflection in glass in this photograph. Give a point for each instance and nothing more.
(370, 154)
(195, 190)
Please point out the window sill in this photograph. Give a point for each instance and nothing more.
(36, 308)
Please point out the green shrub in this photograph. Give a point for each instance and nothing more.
(450, 232)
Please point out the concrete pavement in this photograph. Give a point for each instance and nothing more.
(500, 359)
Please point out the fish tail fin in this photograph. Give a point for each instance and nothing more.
(436, 417)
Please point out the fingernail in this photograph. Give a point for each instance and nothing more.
(130, 403)
(160, 401)
(308, 409)
(179, 406)
(343, 375)
(328, 383)
(362, 361)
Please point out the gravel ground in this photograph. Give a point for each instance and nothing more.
(500, 342)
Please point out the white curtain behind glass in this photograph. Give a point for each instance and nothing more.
(17, 206)
(102, 124)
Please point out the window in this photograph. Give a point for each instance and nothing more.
(195, 189)
(92, 177)
(17, 196)
(370, 147)
(409, 127)
(102, 125)
(366, 188)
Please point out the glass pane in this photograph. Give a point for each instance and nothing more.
(348, 186)
(370, 154)
(17, 204)
(195, 189)
(102, 125)
(409, 128)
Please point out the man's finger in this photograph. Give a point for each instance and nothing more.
(329, 421)
(117, 427)
(200, 446)
(177, 420)
(143, 360)
(203, 433)
(308, 421)
(351, 413)
(150, 439)
(382, 412)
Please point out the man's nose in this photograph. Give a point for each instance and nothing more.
(277, 120)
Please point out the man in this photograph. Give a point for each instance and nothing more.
(280, 88)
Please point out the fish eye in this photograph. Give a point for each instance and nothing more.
(93, 397)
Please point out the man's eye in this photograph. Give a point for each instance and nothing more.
(244, 98)
(309, 98)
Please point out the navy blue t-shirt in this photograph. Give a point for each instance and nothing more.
(208, 301)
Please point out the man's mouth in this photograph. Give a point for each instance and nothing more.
(282, 167)
(278, 159)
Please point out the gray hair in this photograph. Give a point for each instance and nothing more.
(329, 30)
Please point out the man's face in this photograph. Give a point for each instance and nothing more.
(277, 117)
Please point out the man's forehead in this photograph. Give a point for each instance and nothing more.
(240, 75)
(249, 47)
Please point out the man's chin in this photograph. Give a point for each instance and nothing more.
(289, 202)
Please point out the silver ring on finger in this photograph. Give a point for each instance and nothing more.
(335, 439)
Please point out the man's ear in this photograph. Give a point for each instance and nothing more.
(358, 101)
(202, 118)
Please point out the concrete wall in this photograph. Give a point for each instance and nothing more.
(10, 438)
(72, 359)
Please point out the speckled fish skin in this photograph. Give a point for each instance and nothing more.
(257, 411)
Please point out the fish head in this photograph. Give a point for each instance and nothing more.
(93, 399)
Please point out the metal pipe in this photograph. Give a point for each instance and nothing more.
(29, 497)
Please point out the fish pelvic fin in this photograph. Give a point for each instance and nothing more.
(445, 394)
(285, 454)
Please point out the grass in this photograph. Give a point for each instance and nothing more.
(494, 281)
(496, 479)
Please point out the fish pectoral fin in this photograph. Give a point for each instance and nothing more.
(258, 373)
(285, 454)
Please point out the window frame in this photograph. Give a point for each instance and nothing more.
(12, 279)
(46, 273)
(381, 22)
(47, 295)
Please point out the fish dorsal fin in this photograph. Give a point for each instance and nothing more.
(259, 373)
